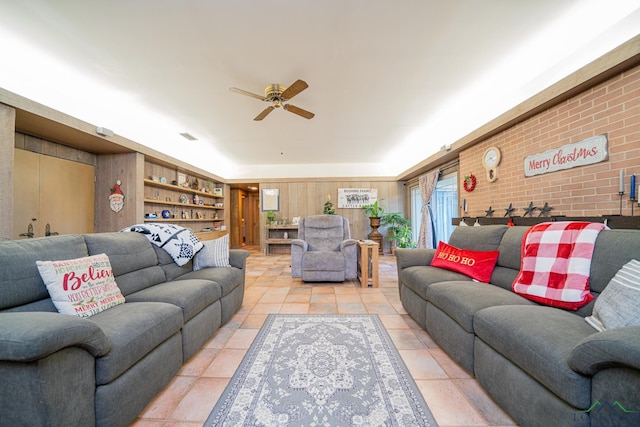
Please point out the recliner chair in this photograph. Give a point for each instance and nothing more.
(324, 250)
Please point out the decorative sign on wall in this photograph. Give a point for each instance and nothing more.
(586, 152)
(356, 197)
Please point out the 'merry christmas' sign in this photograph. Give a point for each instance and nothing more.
(586, 152)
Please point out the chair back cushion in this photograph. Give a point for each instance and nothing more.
(324, 232)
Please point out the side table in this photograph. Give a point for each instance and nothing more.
(368, 263)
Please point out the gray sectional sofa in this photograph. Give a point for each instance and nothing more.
(545, 366)
(63, 370)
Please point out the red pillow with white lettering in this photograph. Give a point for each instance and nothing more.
(81, 287)
(478, 265)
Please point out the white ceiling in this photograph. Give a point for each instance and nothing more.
(389, 82)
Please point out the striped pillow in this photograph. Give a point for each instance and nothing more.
(618, 306)
(215, 253)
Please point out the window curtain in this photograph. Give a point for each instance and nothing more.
(427, 183)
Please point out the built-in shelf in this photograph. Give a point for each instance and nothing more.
(188, 206)
(192, 205)
(276, 242)
(166, 186)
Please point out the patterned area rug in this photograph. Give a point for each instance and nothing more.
(321, 370)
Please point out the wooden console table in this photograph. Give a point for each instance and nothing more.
(368, 263)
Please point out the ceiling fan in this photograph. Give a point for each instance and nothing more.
(278, 96)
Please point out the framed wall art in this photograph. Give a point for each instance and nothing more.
(270, 199)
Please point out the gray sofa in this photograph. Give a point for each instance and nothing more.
(545, 366)
(63, 370)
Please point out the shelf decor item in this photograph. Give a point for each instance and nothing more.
(116, 199)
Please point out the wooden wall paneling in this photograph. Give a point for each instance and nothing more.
(129, 169)
(307, 197)
(26, 187)
(7, 144)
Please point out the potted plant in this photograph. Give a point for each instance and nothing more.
(404, 237)
(395, 222)
(373, 211)
(271, 217)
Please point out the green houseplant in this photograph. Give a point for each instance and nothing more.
(374, 210)
(398, 229)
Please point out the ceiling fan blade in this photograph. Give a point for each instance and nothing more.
(264, 113)
(297, 87)
(299, 111)
(244, 92)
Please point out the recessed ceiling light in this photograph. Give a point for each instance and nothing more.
(188, 136)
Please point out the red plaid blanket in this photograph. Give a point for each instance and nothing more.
(556, 263)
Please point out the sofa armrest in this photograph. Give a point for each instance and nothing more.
(29, 336)
(613, 347)
(238, 258)
(300, 244)
(346, 243)
(411, 257)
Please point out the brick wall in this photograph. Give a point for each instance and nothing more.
(612, 108)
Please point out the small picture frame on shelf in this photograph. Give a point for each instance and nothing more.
(182, 179)
(217, 192)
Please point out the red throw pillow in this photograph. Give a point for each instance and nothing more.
(475, 264)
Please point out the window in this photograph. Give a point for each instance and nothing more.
(443, 205)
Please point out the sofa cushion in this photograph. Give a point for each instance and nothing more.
(323, 261)
(192, 295)
(133, 260)
(476, 264)
(462, 300)
(134, 330)
(485, 238)
(20, 281)
(228, 278)
(419, 278)
(539, 341)
(82, 286)
(618, 305)
(614, 248)
(214, 253)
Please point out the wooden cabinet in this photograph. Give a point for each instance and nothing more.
(54, 192)
(279, 238)
(183, 198)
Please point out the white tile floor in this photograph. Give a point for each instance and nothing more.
(454, 397)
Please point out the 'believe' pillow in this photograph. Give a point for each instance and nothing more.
(82, 286)
(618, 306)
(214, 253)
(475, 264)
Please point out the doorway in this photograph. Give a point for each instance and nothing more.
(245, 216)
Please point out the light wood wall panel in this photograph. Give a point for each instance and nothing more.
(7, 143)
(128, 168)
(307, 197)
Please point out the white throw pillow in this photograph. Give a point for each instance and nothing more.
(82, 286)
(215, 253)
(618, 305)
